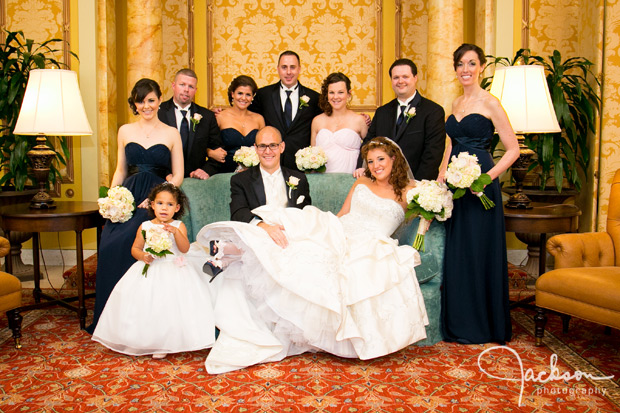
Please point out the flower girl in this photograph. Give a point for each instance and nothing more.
(161, 305)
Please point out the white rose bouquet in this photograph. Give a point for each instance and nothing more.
(464, 172)
(158, 242)
(312, 158)
(246, 156)
(429, 200)
(116, 204)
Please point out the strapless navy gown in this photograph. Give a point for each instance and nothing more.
(233, 140)
(147, 168)
(475, 305)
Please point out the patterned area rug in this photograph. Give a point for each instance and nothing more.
(59, 369)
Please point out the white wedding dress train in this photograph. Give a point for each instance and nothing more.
(341, 286)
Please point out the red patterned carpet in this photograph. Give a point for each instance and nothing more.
(60, 369)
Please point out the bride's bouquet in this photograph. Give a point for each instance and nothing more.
(116, 204)
(464, 172)
(312, 158)
(246, 157)
(429, 200)
(157, 242)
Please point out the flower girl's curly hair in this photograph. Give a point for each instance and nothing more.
(176, 192)
(399, 179)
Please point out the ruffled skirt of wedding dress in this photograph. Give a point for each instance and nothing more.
(324, 292)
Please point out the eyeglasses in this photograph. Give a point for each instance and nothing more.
(262, 147)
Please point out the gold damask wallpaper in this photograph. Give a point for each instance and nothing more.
(554, 25)
(413, 41)
(40, 20)
(175, 22)
(328, 35)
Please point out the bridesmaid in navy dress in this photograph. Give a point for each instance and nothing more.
(238, 125)
(149, 152)
(475, 306)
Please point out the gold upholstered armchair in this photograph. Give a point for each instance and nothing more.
(10, 295)
(586, 280)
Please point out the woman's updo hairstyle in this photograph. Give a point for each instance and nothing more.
(464, 48)
(399, 178)
(331, 79)
(142, 88)
(239, 81)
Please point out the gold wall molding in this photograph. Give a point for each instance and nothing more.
(247, 36)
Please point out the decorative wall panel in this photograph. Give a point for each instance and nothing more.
(175, 29)
(413, 43)
(554, 25)
(42, 20)
(329, 35)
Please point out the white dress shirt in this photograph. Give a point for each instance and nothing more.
(294, 98)
(179, 115)
(275, 190)
(406, 103)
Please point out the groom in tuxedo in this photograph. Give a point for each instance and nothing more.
(268, 184)
(415, 123)
(203, 153)
(288, 106)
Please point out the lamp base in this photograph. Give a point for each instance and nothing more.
(41, 157)
(42, 200)
(518, 200)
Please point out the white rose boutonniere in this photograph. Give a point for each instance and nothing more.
(292, 183)
(195, 120)
(410, 114)
(303, 101)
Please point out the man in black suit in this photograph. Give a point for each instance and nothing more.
(268, 184)
(202, 147)
(288, 106)
(415, 123)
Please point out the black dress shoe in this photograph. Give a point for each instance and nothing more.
(213, 249)
(212, 270)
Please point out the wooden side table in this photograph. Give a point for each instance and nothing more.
(542, 219)
(67, 216)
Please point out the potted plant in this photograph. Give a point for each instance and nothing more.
(18, 56)
(565, 154)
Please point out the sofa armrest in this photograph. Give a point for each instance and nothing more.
(592, 249)
(5, 247)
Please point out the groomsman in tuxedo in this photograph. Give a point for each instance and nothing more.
(268, 183)
(288, 106)
(415, 123)
(202, 147)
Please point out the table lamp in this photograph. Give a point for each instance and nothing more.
(524, 94)
(52, 106)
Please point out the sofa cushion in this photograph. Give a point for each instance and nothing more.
(432, 256)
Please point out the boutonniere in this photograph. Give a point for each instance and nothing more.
(195, 120)
(303, 101)
(292, 183)
(410, 113)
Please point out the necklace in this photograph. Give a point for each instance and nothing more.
(149, 131)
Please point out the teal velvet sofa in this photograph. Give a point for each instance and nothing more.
(208, 202)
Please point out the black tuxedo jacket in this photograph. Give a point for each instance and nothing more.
(297, 136)
(206, 135)
(422, 139)
(247, 192)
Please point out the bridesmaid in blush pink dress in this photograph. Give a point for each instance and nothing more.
(339, 130)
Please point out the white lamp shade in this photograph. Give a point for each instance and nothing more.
(524, 94)
(52, 105)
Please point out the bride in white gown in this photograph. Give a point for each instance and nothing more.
(342, 285)
(339, 130)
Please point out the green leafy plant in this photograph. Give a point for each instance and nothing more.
(18, 56)
(573, 88)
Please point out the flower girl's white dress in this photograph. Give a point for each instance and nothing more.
(168, 311)
(342, 286)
